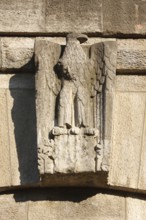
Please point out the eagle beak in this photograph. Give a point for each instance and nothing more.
(82, 38)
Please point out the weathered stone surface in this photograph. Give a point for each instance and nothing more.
(131, 56)
(44, 16)
(17, 53)
(59, 17)
(69, 106)
(71, 203)
(5, 168)
(22, 132)
(90, 41)
(128, 133)
(18, 132)
(131, 83)
(135, 208)
(74, 154)
(124, 17)
(10, 209)
(74, 16)
(23, 81)
(0, 53)
(142, 165)
(98, 206)
(22, 17)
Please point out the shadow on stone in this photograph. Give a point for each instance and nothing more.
(23, 116)
(56, 194)
(29, 67)
(70, 194)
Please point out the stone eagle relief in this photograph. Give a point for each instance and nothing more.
(74, 86)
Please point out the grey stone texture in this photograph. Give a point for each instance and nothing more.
(18, 116)
(21, 25)
(22, 17)
(18, 130)
(104, 17)
(73, 16)
(69, 103)
(10, 209)
(73, 204)
(17, 54)
(94, 207)
(124, 17)
(131, 56)
(5, 170)
(128, 148)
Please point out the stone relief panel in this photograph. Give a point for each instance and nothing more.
(75, 89)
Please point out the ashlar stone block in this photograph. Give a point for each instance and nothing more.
(10, 209)
(124, 17)
(135, 208)
(99, 206)
(127, 167)
(5, 168)
(18, 131)
(74, 16)
(17, 54)
(22, 17)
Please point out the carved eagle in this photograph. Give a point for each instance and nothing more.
(75, 75)
(72, 81)
(83, 74)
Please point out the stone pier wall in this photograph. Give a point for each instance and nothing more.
(121, 194)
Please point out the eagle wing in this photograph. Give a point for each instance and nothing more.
(103, 61)
(47, 87)
(103, 58)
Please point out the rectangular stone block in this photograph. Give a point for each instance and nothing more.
(17, 54)
(124, 17)
(98, 206)
(0, 53)
(129, 114)
(50, 16)
(135, 208)
(131, 56)
(142, 165)
(74, 16)
(131, 83)
(98, 16)
(74, 154)
(22, 17)
(5, 168)
(18, 130)
(11, 209)
(22, 131)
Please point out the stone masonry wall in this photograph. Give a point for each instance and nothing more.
(123, 196)
(95, 17)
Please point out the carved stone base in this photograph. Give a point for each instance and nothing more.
(89, 179)
(72, 150)
(74, 153)
(56, 131)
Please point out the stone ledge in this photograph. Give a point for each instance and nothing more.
(17, 54)
(72, 203)
(97, 17)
